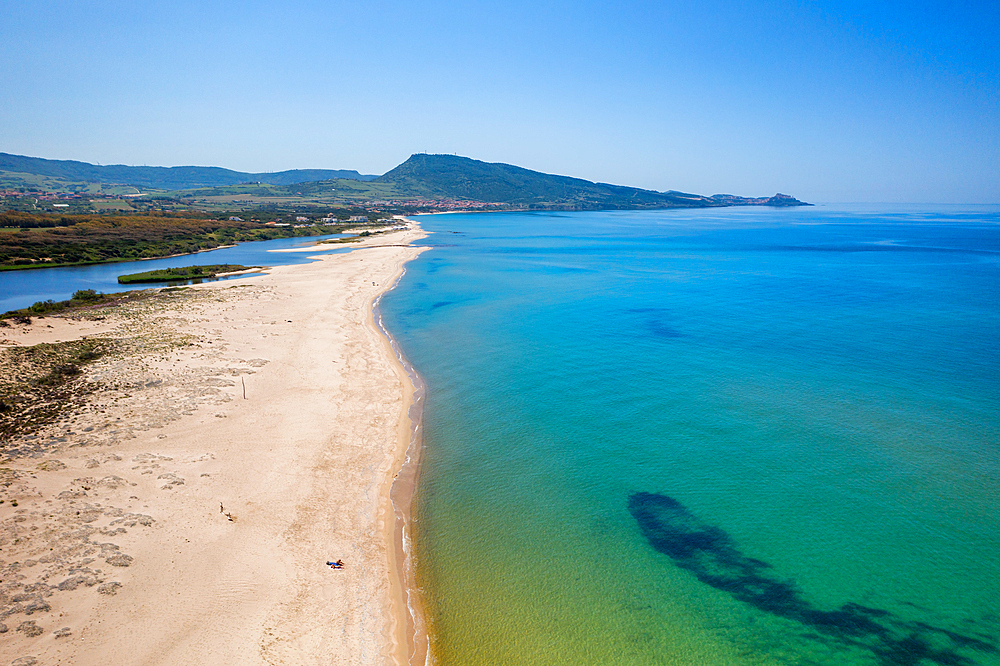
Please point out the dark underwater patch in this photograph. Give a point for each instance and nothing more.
(712, 557)
(655, 321)
(661, 330)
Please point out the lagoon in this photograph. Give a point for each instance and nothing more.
(21, 288)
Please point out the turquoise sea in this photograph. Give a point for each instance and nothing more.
(725, 436)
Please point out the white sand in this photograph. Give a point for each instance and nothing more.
(304, 465)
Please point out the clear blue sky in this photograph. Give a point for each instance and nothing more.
(828, 101)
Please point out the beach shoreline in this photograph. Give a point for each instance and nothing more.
(308, 457)
(402, 488)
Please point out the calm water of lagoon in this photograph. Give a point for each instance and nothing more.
(19, 289)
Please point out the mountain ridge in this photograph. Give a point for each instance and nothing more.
(424, 179)
(165, 178)
(466, 178)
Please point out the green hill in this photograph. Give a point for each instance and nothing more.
(462, 178)
(162, 178)
(435, 182)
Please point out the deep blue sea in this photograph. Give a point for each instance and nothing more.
(725, 436)
(19, 289)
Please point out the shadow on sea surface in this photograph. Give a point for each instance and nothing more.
(713, 557)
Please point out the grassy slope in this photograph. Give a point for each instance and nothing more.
(163, 178)
(463, 178)
(439, 177)
(419, 181)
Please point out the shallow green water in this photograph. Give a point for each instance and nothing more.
(737, 436)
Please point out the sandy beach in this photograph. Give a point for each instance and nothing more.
(231, 440)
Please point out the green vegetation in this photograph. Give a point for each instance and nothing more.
(346, 239)
(437, 182)
(161, 178)
(346, 197)
(80, 299)
(183, 273)
(61, 240)
(39, 383)
(423, 183)
(463, 178)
